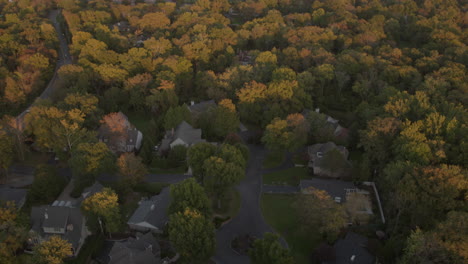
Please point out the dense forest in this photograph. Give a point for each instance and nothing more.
(393, 71)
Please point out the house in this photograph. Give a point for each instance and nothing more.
(18, 196)
(338, 131)
(352, 249)
(197, 109)
(58, 219)
(144, 249)
(151, 214)
(128, 141)
(323, 160)
(184, 135)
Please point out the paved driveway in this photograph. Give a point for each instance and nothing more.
(249, 219)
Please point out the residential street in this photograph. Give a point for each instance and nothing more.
(249, 220)
(63, 59)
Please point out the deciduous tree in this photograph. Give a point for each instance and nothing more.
(189, 194)
(268, 250)
(53, 251)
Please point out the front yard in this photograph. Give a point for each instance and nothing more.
(290, 176)
(282, 216)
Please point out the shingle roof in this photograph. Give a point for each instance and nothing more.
(95, 188)
(153, 211)
(58, 217)
(119, 144)
(187, 133)
(202, 106)
(144, 249)
(352, 244)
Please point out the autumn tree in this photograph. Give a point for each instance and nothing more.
(6, 152)
(269, 250)
(319, 212)
(102, 209)
(219, 121)
(189, 194)
(131, 169)
(192, 235)
(286, 134)
(53, 251)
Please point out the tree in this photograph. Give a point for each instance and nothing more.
(219, 175)
(6, 151)
(175, 115)
(189, 194)
(192, 235)
(53, 251)
(320, 129)
(318, 212)
(196, 156)
(47, 185)
(12, 238)
(131, 169)
(103, 207)
(269, 250)
(288, 134)
(221, 120)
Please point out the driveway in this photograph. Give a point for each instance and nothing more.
(249, 220)
(63, 59)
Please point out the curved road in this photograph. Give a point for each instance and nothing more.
(63, 59)
(249, 220)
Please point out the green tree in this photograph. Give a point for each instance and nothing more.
(189, 194)
(268, 250)
(6, 152)
(192, 235)
(47, 185)
(175, 115)
(220, 121)
(102, 208)
(219, 175)
(196, 156)
(53, 251)
(319, 212)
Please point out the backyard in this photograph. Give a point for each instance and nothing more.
(279, 213)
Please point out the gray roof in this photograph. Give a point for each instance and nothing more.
(325, 147)
(95, 188)
(187, 133)
(144, 249)
(153, 211)
(11, 194)
(352, 244)
(202, 106)
(335, 188)
(58, 217)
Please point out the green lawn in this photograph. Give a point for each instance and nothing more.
(290, 176)
(281, 215)
(273, 159)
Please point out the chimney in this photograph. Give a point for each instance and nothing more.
(317, 110)
(353, 257)
(70, 227)
(192, 102)
(152, 207)
(46, 216)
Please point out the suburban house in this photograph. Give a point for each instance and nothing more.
(128, 141)
(328, 160)
(144, 249)
(184, 134)
(58, 219)
(197, 109)
(338, 131)
(151, 214)
(18, 196)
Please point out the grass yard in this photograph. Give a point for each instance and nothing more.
(290, 176)
(281, 215)
(140, 120)
(273, 159)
